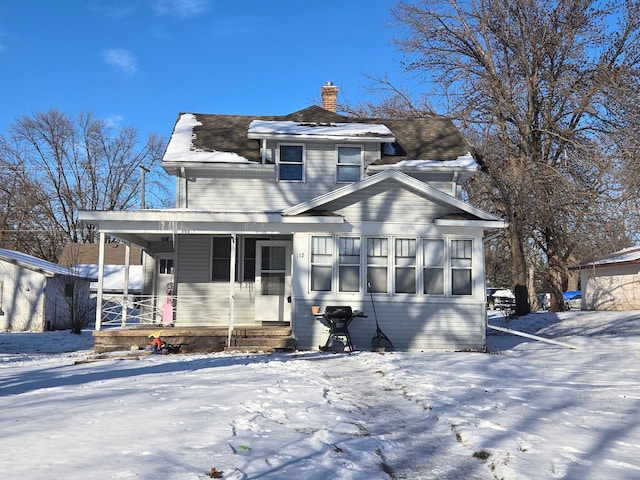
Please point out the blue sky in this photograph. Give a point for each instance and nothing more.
(142, 62)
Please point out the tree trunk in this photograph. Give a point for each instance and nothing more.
(518, 268)
(554, 266)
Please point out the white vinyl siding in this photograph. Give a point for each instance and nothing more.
(252, 185)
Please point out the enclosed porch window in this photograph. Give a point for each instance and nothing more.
(418, 266)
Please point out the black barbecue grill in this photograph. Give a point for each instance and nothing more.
(338, 319)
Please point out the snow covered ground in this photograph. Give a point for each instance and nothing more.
(528, 410)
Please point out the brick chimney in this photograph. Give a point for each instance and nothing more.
(329, 96)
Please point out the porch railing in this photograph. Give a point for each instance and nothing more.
(123, 310)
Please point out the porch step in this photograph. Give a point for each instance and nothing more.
(198, 339)
(263, 341)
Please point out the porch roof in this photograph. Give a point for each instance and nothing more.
(142, 227)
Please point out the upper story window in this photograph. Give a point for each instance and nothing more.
(291, 163)
(349, 167)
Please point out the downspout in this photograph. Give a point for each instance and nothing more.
(100, 282)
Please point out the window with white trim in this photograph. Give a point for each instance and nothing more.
(398, 265)
(220, 259)
(348, 264)
(291, 163)
(377, 264)
(349, 167)
(461, 278)
(405, 265)
(433, 266)
(321, 263)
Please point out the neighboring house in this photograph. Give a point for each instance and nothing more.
(83, 258)
(36, 295)
(612, 282)
(276, 214)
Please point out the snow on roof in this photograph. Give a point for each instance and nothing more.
(504, 293)
(627, 255)
(463, 162)
(114, 276)
(268, 128)
(34, 263)
(181, 149)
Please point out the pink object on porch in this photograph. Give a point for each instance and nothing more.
(167, 314)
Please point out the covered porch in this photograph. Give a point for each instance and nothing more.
(212, 281)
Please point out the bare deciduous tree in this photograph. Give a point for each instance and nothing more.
(532, 82)
(59, 165)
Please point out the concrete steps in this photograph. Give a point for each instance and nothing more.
(197, 339)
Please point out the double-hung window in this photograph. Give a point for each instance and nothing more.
(321, 263)
(461, 280)
(377, 264)
(349, 264)
(433, 266)
(220, 259)
(291, 163)
(349, 164)
(405, 265)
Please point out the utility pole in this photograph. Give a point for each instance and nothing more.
(143, 171)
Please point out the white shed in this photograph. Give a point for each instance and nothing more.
(611, 283)
(37, 295)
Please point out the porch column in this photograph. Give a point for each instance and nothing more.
(100, 281)
(125, 299)
(232, 282)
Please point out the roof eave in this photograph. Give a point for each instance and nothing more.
(332, 138)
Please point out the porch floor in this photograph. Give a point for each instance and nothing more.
(196, 339)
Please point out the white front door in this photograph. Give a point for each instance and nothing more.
(273, 281)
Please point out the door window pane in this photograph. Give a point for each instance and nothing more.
(272, 283)
(273, 258)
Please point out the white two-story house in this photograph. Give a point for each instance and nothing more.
(276, 214)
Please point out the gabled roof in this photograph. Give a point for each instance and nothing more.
(468, 212)
(35, 264)
(626, 256)
(432, 138)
